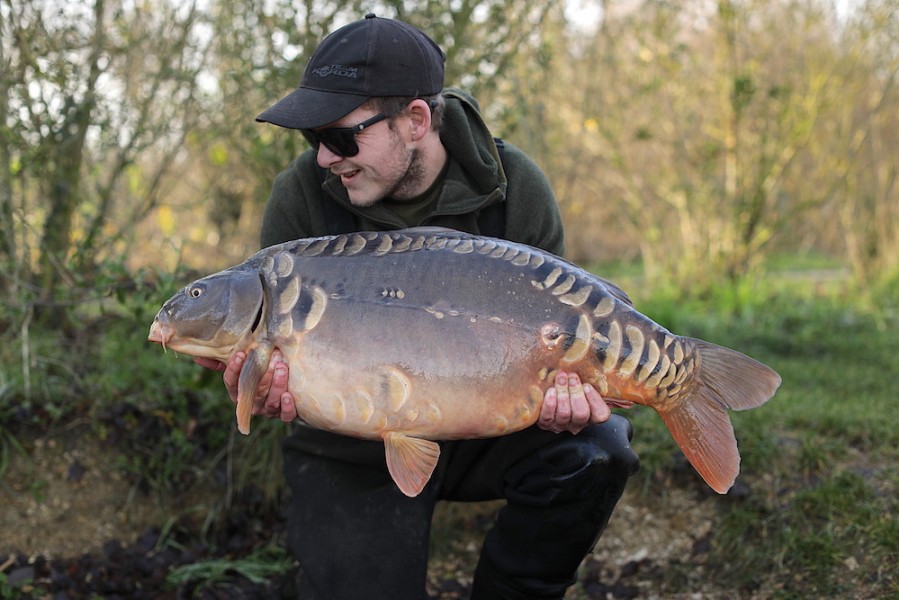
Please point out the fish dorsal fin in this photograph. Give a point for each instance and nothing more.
(618, 293)
(410, 461)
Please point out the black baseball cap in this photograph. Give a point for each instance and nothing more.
(367, 58)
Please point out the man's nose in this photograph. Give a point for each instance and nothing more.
(325, 158)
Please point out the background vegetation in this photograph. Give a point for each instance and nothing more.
(732, 163)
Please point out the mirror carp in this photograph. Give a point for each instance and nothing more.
(426, 334)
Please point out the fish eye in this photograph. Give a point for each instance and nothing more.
(195, 292)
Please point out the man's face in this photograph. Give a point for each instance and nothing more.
(387, 164)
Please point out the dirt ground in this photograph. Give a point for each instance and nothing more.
(68, 499)
(67, 516)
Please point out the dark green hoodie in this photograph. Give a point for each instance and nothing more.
(475, 178)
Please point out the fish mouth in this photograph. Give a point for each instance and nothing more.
(161, 333)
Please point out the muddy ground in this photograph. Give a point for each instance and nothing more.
(73, 526)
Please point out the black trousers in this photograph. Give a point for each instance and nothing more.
(356, 535)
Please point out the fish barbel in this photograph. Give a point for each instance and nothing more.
(426, 334)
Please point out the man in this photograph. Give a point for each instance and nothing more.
(390, 149)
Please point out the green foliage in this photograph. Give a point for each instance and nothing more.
(259, 566)
(23, 589)
(808, 539)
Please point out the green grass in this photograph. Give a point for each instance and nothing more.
(821, 459)
(258, 567)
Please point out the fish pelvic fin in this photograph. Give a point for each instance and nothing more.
(700, 424)
(410, 461)
(250, 374)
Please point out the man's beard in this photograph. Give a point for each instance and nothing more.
(408, 185)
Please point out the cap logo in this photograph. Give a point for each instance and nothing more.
(337, 70)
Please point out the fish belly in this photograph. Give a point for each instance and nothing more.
(440, 381)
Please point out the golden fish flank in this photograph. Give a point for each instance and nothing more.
(538, 312)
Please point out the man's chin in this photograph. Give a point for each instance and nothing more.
(362, 202)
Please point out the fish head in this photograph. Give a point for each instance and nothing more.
(212, 316)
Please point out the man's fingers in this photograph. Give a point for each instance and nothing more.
(570, 405)
(288, 407)
(563, 407)
(599, 410)
(548, 411)
(580, 407)
(231, 376)
(270, 403)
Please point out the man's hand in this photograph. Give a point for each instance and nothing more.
(570, 406)
(272, 398)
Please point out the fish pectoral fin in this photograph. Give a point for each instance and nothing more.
(410, 460)
(253, 369)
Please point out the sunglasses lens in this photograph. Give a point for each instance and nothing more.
(339, 141)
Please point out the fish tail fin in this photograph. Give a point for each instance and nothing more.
(700, 424)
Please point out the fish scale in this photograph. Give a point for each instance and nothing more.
(422, 335)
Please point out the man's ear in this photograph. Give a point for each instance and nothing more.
(420, 118)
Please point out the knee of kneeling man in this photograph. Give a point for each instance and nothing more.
(607, 446)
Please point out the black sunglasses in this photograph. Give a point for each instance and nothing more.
(340, 140)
